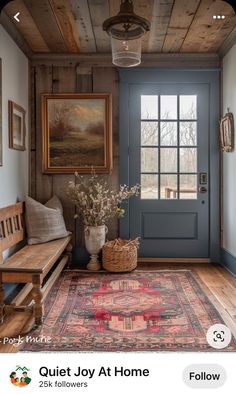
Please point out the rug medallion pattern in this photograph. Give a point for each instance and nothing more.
(142, 311)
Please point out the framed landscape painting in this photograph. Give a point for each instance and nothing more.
(77, 133)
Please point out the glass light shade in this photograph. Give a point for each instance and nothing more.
(126, 53)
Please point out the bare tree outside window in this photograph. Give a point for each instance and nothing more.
(169, 147)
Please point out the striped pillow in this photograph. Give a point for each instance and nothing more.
(44, 222)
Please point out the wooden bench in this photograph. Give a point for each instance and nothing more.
(36, 266)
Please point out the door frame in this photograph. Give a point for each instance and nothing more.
(210, 77)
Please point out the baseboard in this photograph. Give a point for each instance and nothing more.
(228, 261)
(172, 260)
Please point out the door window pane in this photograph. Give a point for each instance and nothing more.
(169, 133)
(188, 159)
(168, 107)
(149, 107)
(168, 146)
(169, 186)
(149, 133)
(188, 107)
(149, 159)
(188, 133)
(149, 186)
(168, 159)
(188, 186)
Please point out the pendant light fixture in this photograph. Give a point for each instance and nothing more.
(126, 30)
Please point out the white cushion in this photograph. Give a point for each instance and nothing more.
(44, 222)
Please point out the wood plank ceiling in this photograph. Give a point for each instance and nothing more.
(75, 26)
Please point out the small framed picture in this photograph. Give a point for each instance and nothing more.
(227, 132)
(17, 128)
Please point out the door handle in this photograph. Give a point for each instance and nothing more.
(202, 189)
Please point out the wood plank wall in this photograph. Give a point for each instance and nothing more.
(69, 79)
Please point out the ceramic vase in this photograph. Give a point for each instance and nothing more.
(95, 238)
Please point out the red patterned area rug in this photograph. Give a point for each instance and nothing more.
(140, 311)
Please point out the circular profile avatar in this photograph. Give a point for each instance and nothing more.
(20, 377)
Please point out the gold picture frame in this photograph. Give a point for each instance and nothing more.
(227, 132)
(76, 133)
(17, 127)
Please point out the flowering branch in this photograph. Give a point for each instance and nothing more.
(97, 203)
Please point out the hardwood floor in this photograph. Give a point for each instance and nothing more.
(218, 284)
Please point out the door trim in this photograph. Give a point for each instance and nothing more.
(155, 76)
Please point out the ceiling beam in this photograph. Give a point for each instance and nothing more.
(170, 60)
(11, 29)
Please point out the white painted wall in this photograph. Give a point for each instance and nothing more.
(229, 159)
(14, 172)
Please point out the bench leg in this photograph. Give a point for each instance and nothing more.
(68, 252)
(38, 297)
(1, 300)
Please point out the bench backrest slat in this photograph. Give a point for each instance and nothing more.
(12, 226)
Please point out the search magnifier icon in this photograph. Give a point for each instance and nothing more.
(218, 336)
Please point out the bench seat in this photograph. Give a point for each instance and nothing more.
(36, 258)
(30, 265)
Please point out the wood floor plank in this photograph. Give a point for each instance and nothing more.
(14, 324)
(230, 278)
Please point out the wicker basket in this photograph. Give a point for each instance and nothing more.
(120, 255)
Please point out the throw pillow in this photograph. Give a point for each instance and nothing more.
(44, 222)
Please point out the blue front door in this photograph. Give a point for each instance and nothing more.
(169, 156)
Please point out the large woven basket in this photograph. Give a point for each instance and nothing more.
(120, 255)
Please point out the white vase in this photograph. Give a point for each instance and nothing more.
(95, 237)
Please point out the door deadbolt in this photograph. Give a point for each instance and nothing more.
(203, 178)
(202, 189)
